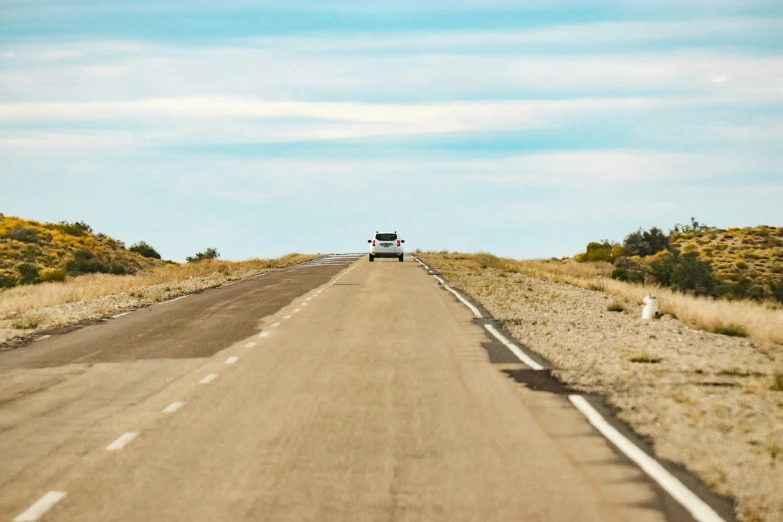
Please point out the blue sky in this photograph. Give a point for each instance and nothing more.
(526, 128)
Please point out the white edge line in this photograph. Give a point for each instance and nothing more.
(43, 337)
(522, 356)
(175, 299)
(119, 315)
(122, 441)
(465, 302)
(695, 506)
(231, 360)
(208, 379)
(174, 406)
(440, 280)
(41, 506)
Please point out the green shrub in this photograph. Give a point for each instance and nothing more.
(210, 253)
(621, 274)
(615, 307)
(74, 229)
(603, 251)
(7, 281)
(54, 275)
(777, 290)
(144, 249)
(84, 262)
(28, 273)
(118, 270)
(692, 274)
(645, 243)
(23, 234)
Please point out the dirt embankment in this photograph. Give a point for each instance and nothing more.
(708, 401)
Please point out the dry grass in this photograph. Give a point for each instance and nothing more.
(94, 286)
(758, 321)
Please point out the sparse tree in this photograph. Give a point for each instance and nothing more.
(144, 249)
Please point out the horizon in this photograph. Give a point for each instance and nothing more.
(525, 129)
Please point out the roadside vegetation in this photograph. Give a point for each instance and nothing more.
(54, 275)
(733, 264)
(93, 286)
(760, 321)
(32, 253)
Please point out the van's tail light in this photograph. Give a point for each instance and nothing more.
(373, 242)
(398, 242)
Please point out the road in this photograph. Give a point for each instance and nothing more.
(337, 391)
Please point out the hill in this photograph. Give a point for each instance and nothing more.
(33, 252)
(753, 254)
(737, 263)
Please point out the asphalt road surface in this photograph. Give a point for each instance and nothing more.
(342, 390)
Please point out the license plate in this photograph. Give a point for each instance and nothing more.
(386, 244)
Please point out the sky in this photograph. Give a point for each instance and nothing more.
(525, 128)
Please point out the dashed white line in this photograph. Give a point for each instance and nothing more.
(286, 317)
(41, 506)
(119, 315)
(274, 325)
(209, 378)
(232, 360)
(465, 302)
(309, 299)
(250, 345)
(122, 441)
(303, 304)
(696, 506)
(297, 309)
(174, 406)
(264, 334)
(522, 356)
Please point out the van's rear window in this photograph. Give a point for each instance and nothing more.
(385, 237)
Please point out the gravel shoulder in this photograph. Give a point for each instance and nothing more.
(704, 400)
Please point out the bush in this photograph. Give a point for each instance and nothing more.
(23, 234)
(210, 253)
(144, 249)
(7, 281)
(777, 290)
(691, 274)
(28, 274)
(603, 251)
(118, 270)
(74, 229)
(54, 275)
(645, 243)
(621, 274)
(84, 262)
